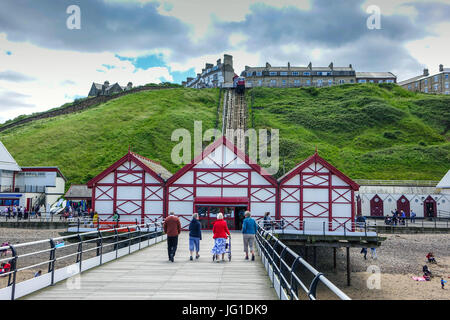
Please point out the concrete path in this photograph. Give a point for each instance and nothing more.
(147, 274)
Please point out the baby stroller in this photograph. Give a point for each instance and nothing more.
(227, 249)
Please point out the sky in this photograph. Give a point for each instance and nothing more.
(44, 64)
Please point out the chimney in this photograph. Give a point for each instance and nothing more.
(268, 65)
(310, 66)
(350, 66)
(130, 85)
(289, 65)
(228, 59)
(425, 72)
(209, 66)
(219, 61)
(441, 68)
(106, 83)
(331, 66)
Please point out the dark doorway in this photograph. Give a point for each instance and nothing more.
(429, 208)
(233, 215)
(403, 204)
(376, 207)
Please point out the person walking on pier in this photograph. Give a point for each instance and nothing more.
(249, 230)
(172, 227)
(220, 233)
(195, 235)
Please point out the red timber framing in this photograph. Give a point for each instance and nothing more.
(224, 176)
(315, 192)
(131, 188)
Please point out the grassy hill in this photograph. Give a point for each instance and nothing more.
(367, 131)
(84, 144)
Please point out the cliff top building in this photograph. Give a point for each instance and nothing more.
(437, 83)
(213, 76)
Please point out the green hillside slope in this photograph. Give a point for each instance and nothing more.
(367, 131)
(84, 144)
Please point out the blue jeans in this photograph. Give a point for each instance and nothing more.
(194, 242)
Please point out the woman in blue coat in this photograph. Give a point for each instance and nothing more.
(195, 235)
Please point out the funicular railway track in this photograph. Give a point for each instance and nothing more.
(235, 116)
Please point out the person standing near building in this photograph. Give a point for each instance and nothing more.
(195, 235)
(249, 230)
(116, 218)
(172, 227)
(412, 215)
(267, 221)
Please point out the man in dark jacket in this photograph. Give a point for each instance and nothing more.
(172, 227)
(195, 235)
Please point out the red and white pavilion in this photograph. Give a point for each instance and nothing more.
(221, 179)
(314, 195)
(133, 186)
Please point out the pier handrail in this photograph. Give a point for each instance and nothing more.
(319, 227)
(275, 255)
(102, 239)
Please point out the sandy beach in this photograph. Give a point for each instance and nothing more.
(399, 258)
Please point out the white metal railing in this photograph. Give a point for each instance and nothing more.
(319, 227)
(100, 246)
(283, 266)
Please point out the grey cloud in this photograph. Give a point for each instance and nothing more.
(10, 100)
(105, 26)
(14, 76)
(330, 23)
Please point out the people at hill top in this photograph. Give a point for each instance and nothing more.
(172, 227)
(220, 233)
(195, 235)
(249, 228)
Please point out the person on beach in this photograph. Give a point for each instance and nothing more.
(4, 252)
(373, 252)
(443, 282)
(220, 233)
(249, 228)
(430, 257)
(6, 267)
(172, 227)
(364, 251)
(426, 272)
(195, 235)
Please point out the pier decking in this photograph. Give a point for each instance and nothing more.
(147, 274)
